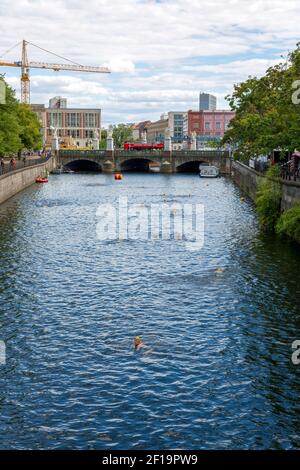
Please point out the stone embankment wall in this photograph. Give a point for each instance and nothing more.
(14, 182)
(247, 179)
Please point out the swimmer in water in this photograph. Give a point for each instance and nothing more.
(138, 343)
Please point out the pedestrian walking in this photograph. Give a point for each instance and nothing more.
(12, 164)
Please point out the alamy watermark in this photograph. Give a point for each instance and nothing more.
(175, 221)
(296, 354)
(2, 353)
(2, 92)
(296, 94)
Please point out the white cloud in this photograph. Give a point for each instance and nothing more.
(161, 53)
(120, 65)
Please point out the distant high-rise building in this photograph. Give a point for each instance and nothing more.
(207, 102)
(57, 102)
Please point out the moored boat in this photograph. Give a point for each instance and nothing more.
(61, 170)
(154, 167)
(208, 171)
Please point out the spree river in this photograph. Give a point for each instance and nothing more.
(218, 372)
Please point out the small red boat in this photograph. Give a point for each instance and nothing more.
(41, 180)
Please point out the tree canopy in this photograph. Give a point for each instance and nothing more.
(267, 111)
(121, 134)
(19, 126)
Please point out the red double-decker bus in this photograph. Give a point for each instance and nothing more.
(130, 146)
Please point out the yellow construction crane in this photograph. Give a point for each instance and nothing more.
(26, 65)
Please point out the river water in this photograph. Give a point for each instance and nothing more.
(218, 374)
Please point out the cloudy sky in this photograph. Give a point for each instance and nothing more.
(161, 53)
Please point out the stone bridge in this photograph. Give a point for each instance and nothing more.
(133, 160)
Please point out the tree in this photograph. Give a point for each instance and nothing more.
(103, 139)
(10, 141)
(266, 117)
(121, 134)
(19, 126)
(30, 128)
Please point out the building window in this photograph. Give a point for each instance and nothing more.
(55, 119)
(90, 119)
(207, 125)
(89, 134)
(218, 125)
(73, 120)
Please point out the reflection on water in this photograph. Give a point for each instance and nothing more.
(219, 373)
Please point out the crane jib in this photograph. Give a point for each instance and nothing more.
(26, 65)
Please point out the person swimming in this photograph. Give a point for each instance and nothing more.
(138, 343)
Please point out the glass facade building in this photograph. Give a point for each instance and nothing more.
(207, 102)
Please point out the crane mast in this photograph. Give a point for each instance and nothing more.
(25, 80)
(26, 65)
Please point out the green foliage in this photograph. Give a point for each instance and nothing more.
(289, 224)
(266, 117)
(19, 126)
(268, 199)
(30, 133)
(121, 134)
(10, 141)
(103, 139)
(214, 144)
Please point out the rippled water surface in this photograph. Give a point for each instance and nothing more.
(219, 371)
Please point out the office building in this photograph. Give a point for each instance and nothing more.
(207, 102)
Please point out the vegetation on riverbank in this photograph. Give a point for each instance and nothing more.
(19, 126)
(267, 111)
(268, 199)
(268, 206)
(267, 118)
(288, 224)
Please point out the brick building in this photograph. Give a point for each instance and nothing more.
(208, 125)
(74, 125)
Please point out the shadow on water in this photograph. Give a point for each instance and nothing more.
(82, 165)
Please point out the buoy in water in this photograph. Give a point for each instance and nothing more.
(118, 176)
(41, 180)
(219, 270)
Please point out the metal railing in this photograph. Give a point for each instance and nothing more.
(10, 167)
(289, 173)
(286, 169)
(260, 166)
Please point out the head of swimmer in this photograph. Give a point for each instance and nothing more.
(138, 342)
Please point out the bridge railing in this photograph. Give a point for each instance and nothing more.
(156, 153)
(152, 154)
(81, 153)
(202, 153)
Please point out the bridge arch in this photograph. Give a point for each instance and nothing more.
(83, 164)
(192, 166)
(140, 164)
